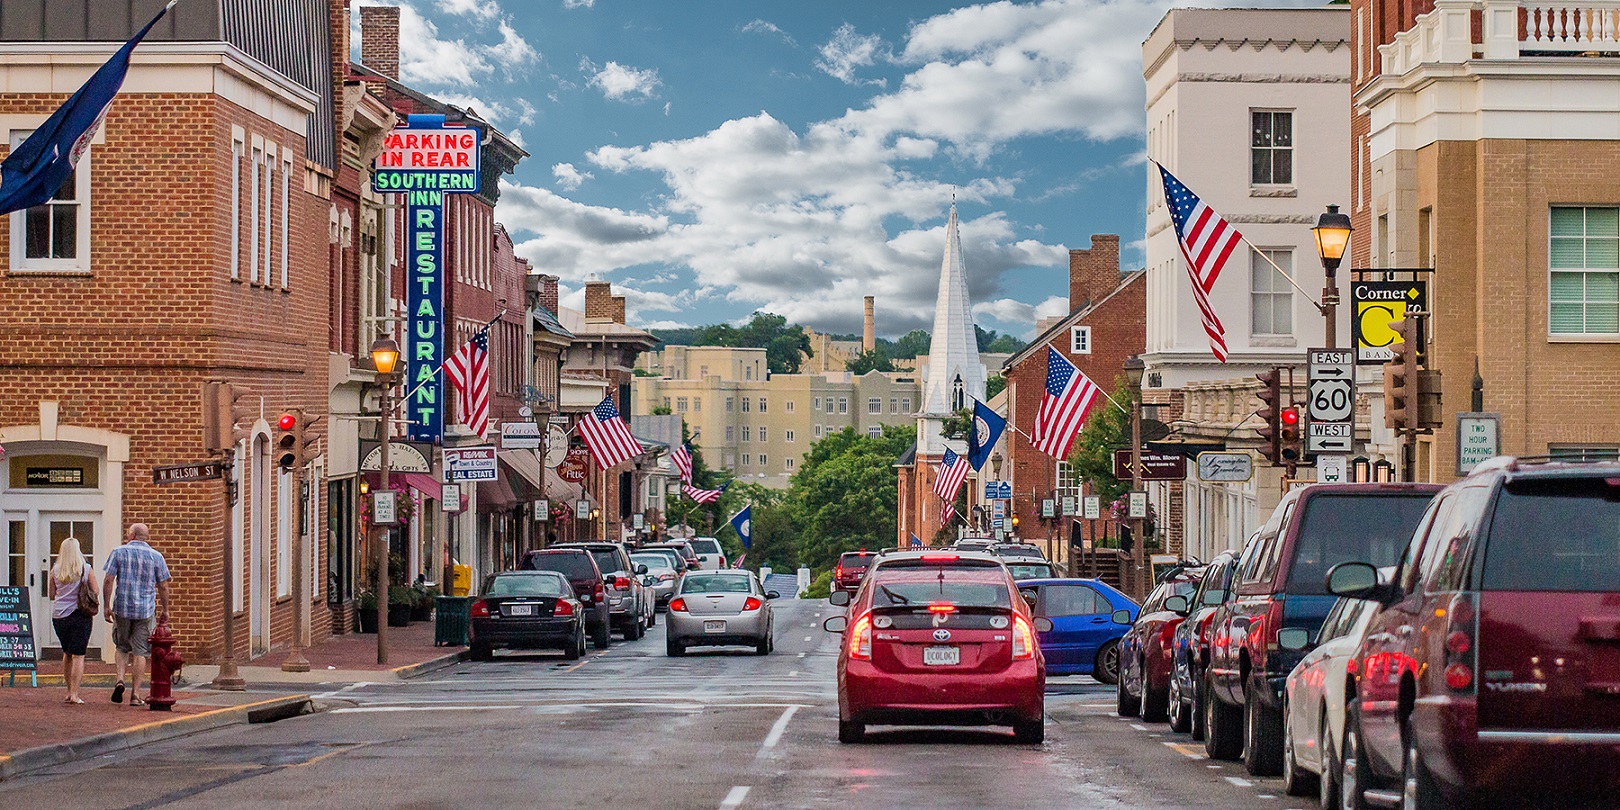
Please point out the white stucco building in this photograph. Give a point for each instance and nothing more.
(1250, 109)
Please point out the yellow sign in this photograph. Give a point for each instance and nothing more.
(1377, 303)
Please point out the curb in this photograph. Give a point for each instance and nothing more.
(93, 679)
(431, 665)
(45, 756)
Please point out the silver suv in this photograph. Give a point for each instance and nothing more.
(630, 603)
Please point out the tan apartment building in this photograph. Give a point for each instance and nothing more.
(1484, 151)
(760, 425)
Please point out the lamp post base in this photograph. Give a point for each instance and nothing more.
(296, 662)
(228, 679)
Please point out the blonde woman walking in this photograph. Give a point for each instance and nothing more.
(69, 615)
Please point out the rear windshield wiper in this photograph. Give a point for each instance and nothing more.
(893, 597)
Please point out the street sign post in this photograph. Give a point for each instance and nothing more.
(384, 507)
(1479, 436)
(1332, 469)
(1155, 466)
(198, 471)
(1331, 401)
(1225, 467)
(1093, 507)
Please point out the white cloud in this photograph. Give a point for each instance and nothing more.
(571, 239)
(620, 82)
(760, 26)
(513, 51)
(501, 113)
(847, 51)
(483, 9)
(569, 177)
(425, 58)
(1008, 310)
(516, 137)
(578, 3)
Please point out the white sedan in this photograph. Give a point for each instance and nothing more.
(1314, 704)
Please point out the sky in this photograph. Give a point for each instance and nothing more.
(712, 159)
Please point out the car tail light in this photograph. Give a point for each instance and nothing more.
(480, 609)
(860, 638)
(940, 557)
(838, 571)
(1272, 624)
(1461, 631)
(941, 607)
(678, 604)
(562, 608)
(752, 603)
(621, 583)
(598, 591)
(722, 561)
(666, 577)
(1023, 639)
(1167, 636)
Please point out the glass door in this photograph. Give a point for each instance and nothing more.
(53, 528)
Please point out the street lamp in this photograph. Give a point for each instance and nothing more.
(1134, 370)
(384, 357)
(1332, 233)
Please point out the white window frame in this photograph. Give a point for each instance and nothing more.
(790, 406)
(787, 463)
(269, 206)
(80, 263)
(1272, 149)
(1284, 290)
(286, 194)
(787, 436)
(874, 432)
(1079, 340)
(874, 405)
(747, 460)
(762, 432)
(748, 433)
(238, 148)
(1584, 271)
(286, 526)
(731, 433)
(764, 459)
(255, 163)
(745, 404)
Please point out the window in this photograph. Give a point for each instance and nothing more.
(697, 404)
(761, 404)
(286, 172)
(905, 404)
(894, 405)
(1584, 288)
(790, 404)
(286, 524)
(1585, 452)
(731, 433)
(236, 208)
(843, 405)
(763, 460)
(55, 235)
(875, 431)
(745, 401)
(874, 405)
(746, 460)
(748, 374)
(1079, 340)
(815, 404)
(788, 437)
(269, 192)
(703, 371)
(748, 433)
(788, 463)
(1056, 601)
(730, 402)
(818, 431)
(1271, 148)
(680, 404)
(254, 166)
(762, 435)
(666, 402)
(1271, 297)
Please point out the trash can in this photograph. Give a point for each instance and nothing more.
(453, 614)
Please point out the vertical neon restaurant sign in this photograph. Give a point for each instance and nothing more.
(423, 160)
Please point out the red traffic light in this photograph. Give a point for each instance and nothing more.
(1290, 416)
(287, 421)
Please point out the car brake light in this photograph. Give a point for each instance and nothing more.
(621, 583)
(838, 571)
(1461, 627)
(480, 609)
(666, 577)
(1273, 624)
(678, 604)
(563, 608)
(941, 607)
(1459, 677)
(860, 638)
(940, 557)
(1458, 642)
(1023, 640)
(752, 603)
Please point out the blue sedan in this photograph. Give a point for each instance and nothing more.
(1084, 639)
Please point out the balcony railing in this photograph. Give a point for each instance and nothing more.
(1512, 29)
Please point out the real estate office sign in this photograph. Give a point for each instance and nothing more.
(425, 159)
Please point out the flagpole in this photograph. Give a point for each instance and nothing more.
(404, 399)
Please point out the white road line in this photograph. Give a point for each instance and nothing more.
(1239, 781)
(350, 688)
(735, 798)
(775, 735)
(793, 674)
(801, 655)
(1139, 727)
(807, 638)
(422, 708)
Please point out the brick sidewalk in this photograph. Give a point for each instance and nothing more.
(39, 717)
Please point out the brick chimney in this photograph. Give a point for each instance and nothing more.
(1094, 272)
(598, 301)
(379, 39)
(869, 334)
(618, 309)
(547, 292)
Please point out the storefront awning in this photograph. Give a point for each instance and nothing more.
(425, 484)
(563, 490)
(495, 493)
(524, 463)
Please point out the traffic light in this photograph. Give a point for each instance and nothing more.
(1270, 413)
(1401, 377)
(289, 439)
(1288, 438)
(225, 407)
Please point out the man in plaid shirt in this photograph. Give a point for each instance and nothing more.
(141, 576)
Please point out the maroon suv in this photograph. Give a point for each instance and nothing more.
(851, 569)
(1492, 671)
(586, 578)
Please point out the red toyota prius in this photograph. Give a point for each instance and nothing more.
(936, 638)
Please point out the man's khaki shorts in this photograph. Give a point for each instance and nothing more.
(132, 635)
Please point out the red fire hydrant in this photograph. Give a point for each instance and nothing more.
(165, 666)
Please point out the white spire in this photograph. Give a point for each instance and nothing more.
(954, 350)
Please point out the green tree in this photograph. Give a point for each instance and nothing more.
(784, 345)
(911, 344)
(990, 341)
(874, 360)
(995, 385)
(1107, 429)
(845, 496)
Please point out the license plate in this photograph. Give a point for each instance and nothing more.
(520, 610)
(714, 627)
(942, 656)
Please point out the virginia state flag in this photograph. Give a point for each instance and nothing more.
(743, 522)
(39, 166)
(987, 428)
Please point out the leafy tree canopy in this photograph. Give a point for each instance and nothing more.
(989, 341)
(1107, 429)
(845, 495)
(874, 360)
(995, 385)
(782, 343)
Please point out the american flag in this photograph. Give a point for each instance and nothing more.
(702, 495)
(947, 513)
(607, 436)
(953, 470)
(1207, 241)
(468, 370)
(1069, 394)
(683, 462)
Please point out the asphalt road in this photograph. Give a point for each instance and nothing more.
(630, 728)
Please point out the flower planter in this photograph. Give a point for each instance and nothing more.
(368, 620)
(422, 611)
(399, 615)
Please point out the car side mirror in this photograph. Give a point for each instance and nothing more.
(1030, 598)
(839, 598)
(1353, 580)
(1176, 604)
(1293, 638)
(1122, 617)
(772, 595)
(835, 624)
(1043, 624)
(650, 581)
(641, 570)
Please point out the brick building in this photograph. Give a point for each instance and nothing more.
(1102, 330)
(1482, 145)
(188, 245)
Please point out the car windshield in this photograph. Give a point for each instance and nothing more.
(1343, 528)
(919, 588)
(1555, 535)
(574, 565)
(652, 560)
(1030, 570)
(706, 546)
(528, 585)
(715, 583)
(607, 561)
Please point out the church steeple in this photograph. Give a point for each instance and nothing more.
(954, 371)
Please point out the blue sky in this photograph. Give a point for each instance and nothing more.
(716, 158)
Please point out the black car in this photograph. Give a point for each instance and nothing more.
(579, 567)
(527, 610)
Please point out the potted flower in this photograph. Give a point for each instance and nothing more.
(401, 599)
(426, 597)
(368, 612)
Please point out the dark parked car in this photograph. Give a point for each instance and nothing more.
(1280, 586)
(628, 602)
(1190, 653)
(1023, 568)
(526, 610)
(1491, 673)
(851, 569)
(1084, 638)
(1145, 649)
(579, 567)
